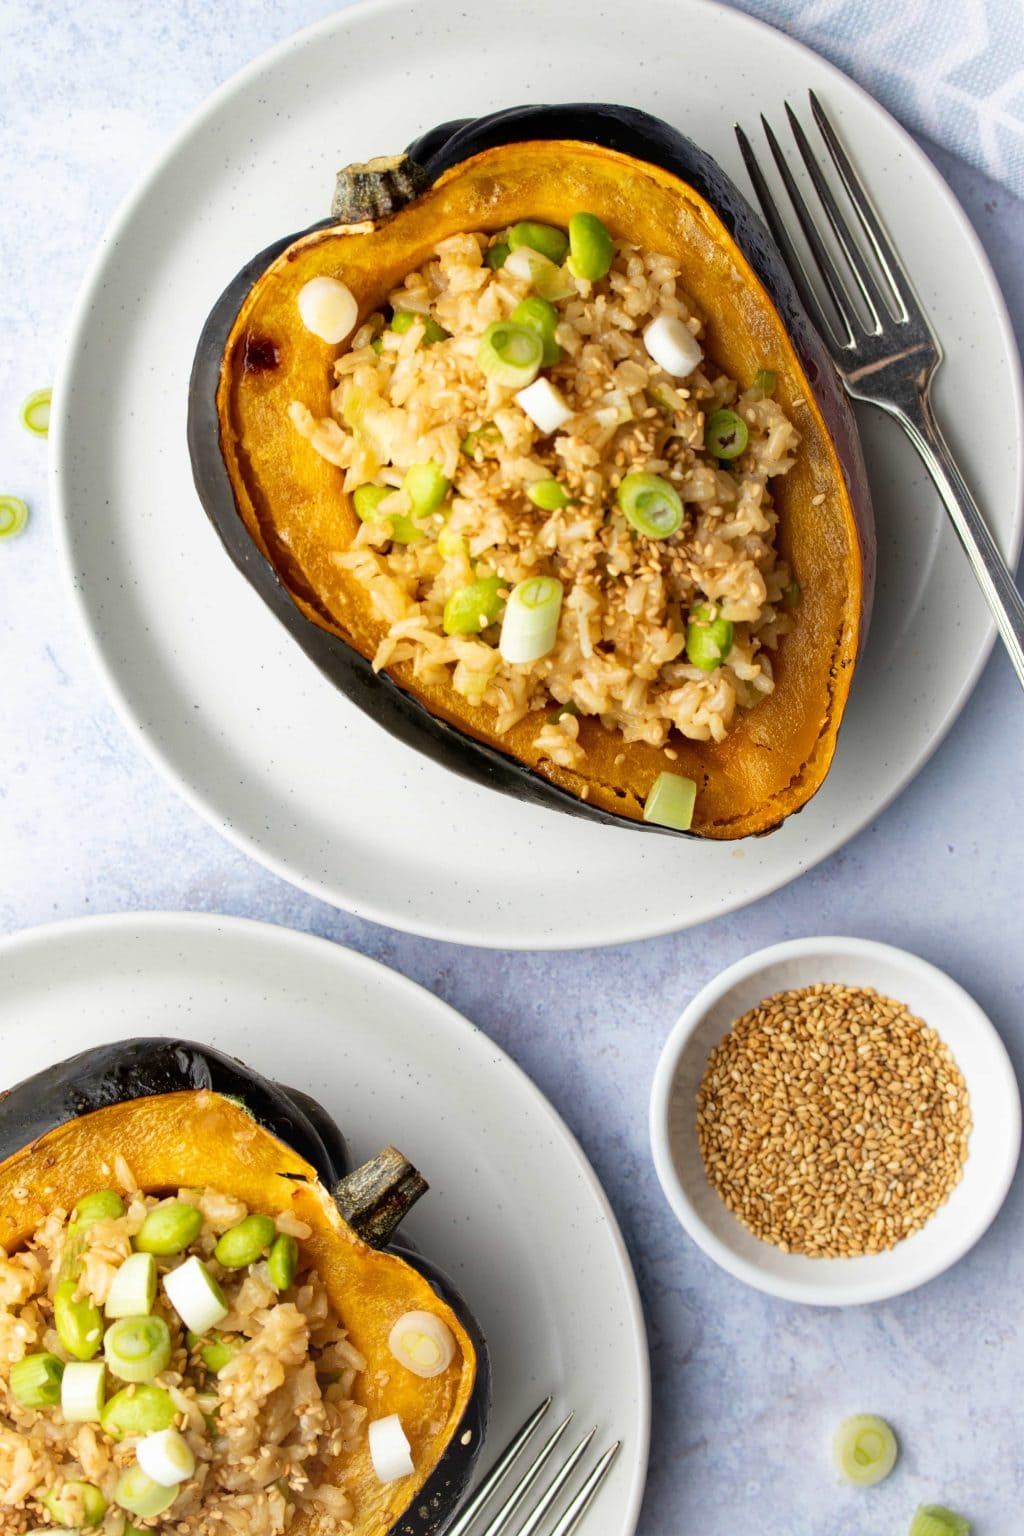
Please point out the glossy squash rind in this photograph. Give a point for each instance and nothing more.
(259, 485)
(183, 1114)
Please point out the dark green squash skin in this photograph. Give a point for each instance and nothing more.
(633, 133)
(144, 1068)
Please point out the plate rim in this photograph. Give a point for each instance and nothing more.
(806, 1292)
(166, 923)
(523, 936)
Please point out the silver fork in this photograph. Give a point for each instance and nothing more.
(572, 1514)
(890, 362)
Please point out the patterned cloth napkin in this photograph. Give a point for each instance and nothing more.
(950, 69)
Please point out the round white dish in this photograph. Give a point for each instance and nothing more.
(933, 996)
(515, 1213)
(218, 694)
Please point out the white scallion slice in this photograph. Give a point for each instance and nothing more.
(670, 802)
(328, 309)
(540, 272)
(195, 1296)
(546, 407)
(133, 1289)
(83, 1391)
(937, 1520)
(864, 1448)
(166, 1457)
(673, 346)
(529, 628)
(390, 1450)
(423, 1343)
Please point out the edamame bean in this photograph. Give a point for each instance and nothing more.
(545, 238)
(591, 247)
(140, 1410)
(77, 1504)
(102, 1205)
(245, 1243)
(169, 1228)
(79, 1324)
(283, 1261)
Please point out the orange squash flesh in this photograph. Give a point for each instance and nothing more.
(204, 1138)
(776, 755)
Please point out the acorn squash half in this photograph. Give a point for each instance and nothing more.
(182, 1115)
(280, 510)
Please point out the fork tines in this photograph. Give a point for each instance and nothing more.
(885, 288)
(502, 1515)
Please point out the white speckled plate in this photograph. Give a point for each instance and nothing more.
(221, 697)
(514, 1214)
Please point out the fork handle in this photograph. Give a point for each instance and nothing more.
(993, 574)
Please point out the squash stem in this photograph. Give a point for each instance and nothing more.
(375, 1197)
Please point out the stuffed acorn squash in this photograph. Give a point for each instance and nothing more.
(534, 452)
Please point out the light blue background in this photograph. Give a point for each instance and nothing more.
(746, 1389)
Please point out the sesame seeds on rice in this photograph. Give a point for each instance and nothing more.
(620, 652)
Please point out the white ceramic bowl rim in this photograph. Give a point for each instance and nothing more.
(875, 1277)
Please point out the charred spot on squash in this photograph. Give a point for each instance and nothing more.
(260, 354)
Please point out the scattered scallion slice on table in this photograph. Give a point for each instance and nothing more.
(35, 412)
(137, 1348)
(35, 1381)
(133, 1289)
(13, 516)
(708, 638)
(471, 609)
(670, 802)
(937, 1520)
(510, 354)
(591, 247)
(725, 434)
(864, 1450)
(195, 1296)
(651, 505)
(530, 626)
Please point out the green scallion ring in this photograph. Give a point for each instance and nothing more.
(651, 505)
(765, 380)
(725, 434)
(13, 516)
(510, 354)
(35, 412)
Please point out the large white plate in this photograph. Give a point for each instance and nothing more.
(221, 697)
(514, 1214)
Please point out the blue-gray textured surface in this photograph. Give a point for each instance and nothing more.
(746, 1389)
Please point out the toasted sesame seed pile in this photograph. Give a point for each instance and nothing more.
(832, 1122)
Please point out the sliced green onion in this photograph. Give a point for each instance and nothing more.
(549, 495)
(133, 1288)
(426, 488)
(377, 345)
(35, 1381)
(77, 1504)
(937, 1520)
(473, 608)
(864, 1450)
(541, 316)
(791, 595)
(283, 1261)
(404, 319)
(137, 1348)
(725, 434)
(497, 255)
(423, 1343)
(531, 267)
(530, 626)
(452, 545)
(765, 380)
(140, 1495)
(563, 710)
(166, 1457)
(651, 505)
(13, 516)
(35, 412)
(480, 437)
(510, 354)
(390, 1450)
(591, 247)
(79, 1324)
(102, 1205)
(83, 1391)
(137, 1410)
(670, 802)
(545, 238)
(169, 1228)
(245, 1242)
(708, 638)
(195, 1296)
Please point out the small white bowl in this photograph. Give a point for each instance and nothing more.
(928, 992)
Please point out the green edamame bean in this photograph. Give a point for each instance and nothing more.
(245, 1243)
(169, 1228)
(102, 1205)
(497, 255)
(591, 247)
(76, 1504)
(220, 1349)
(78, 1323)
(283, 1261)
(139, 1410)
(545, 238)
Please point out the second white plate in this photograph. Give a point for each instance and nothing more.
(220, 696)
